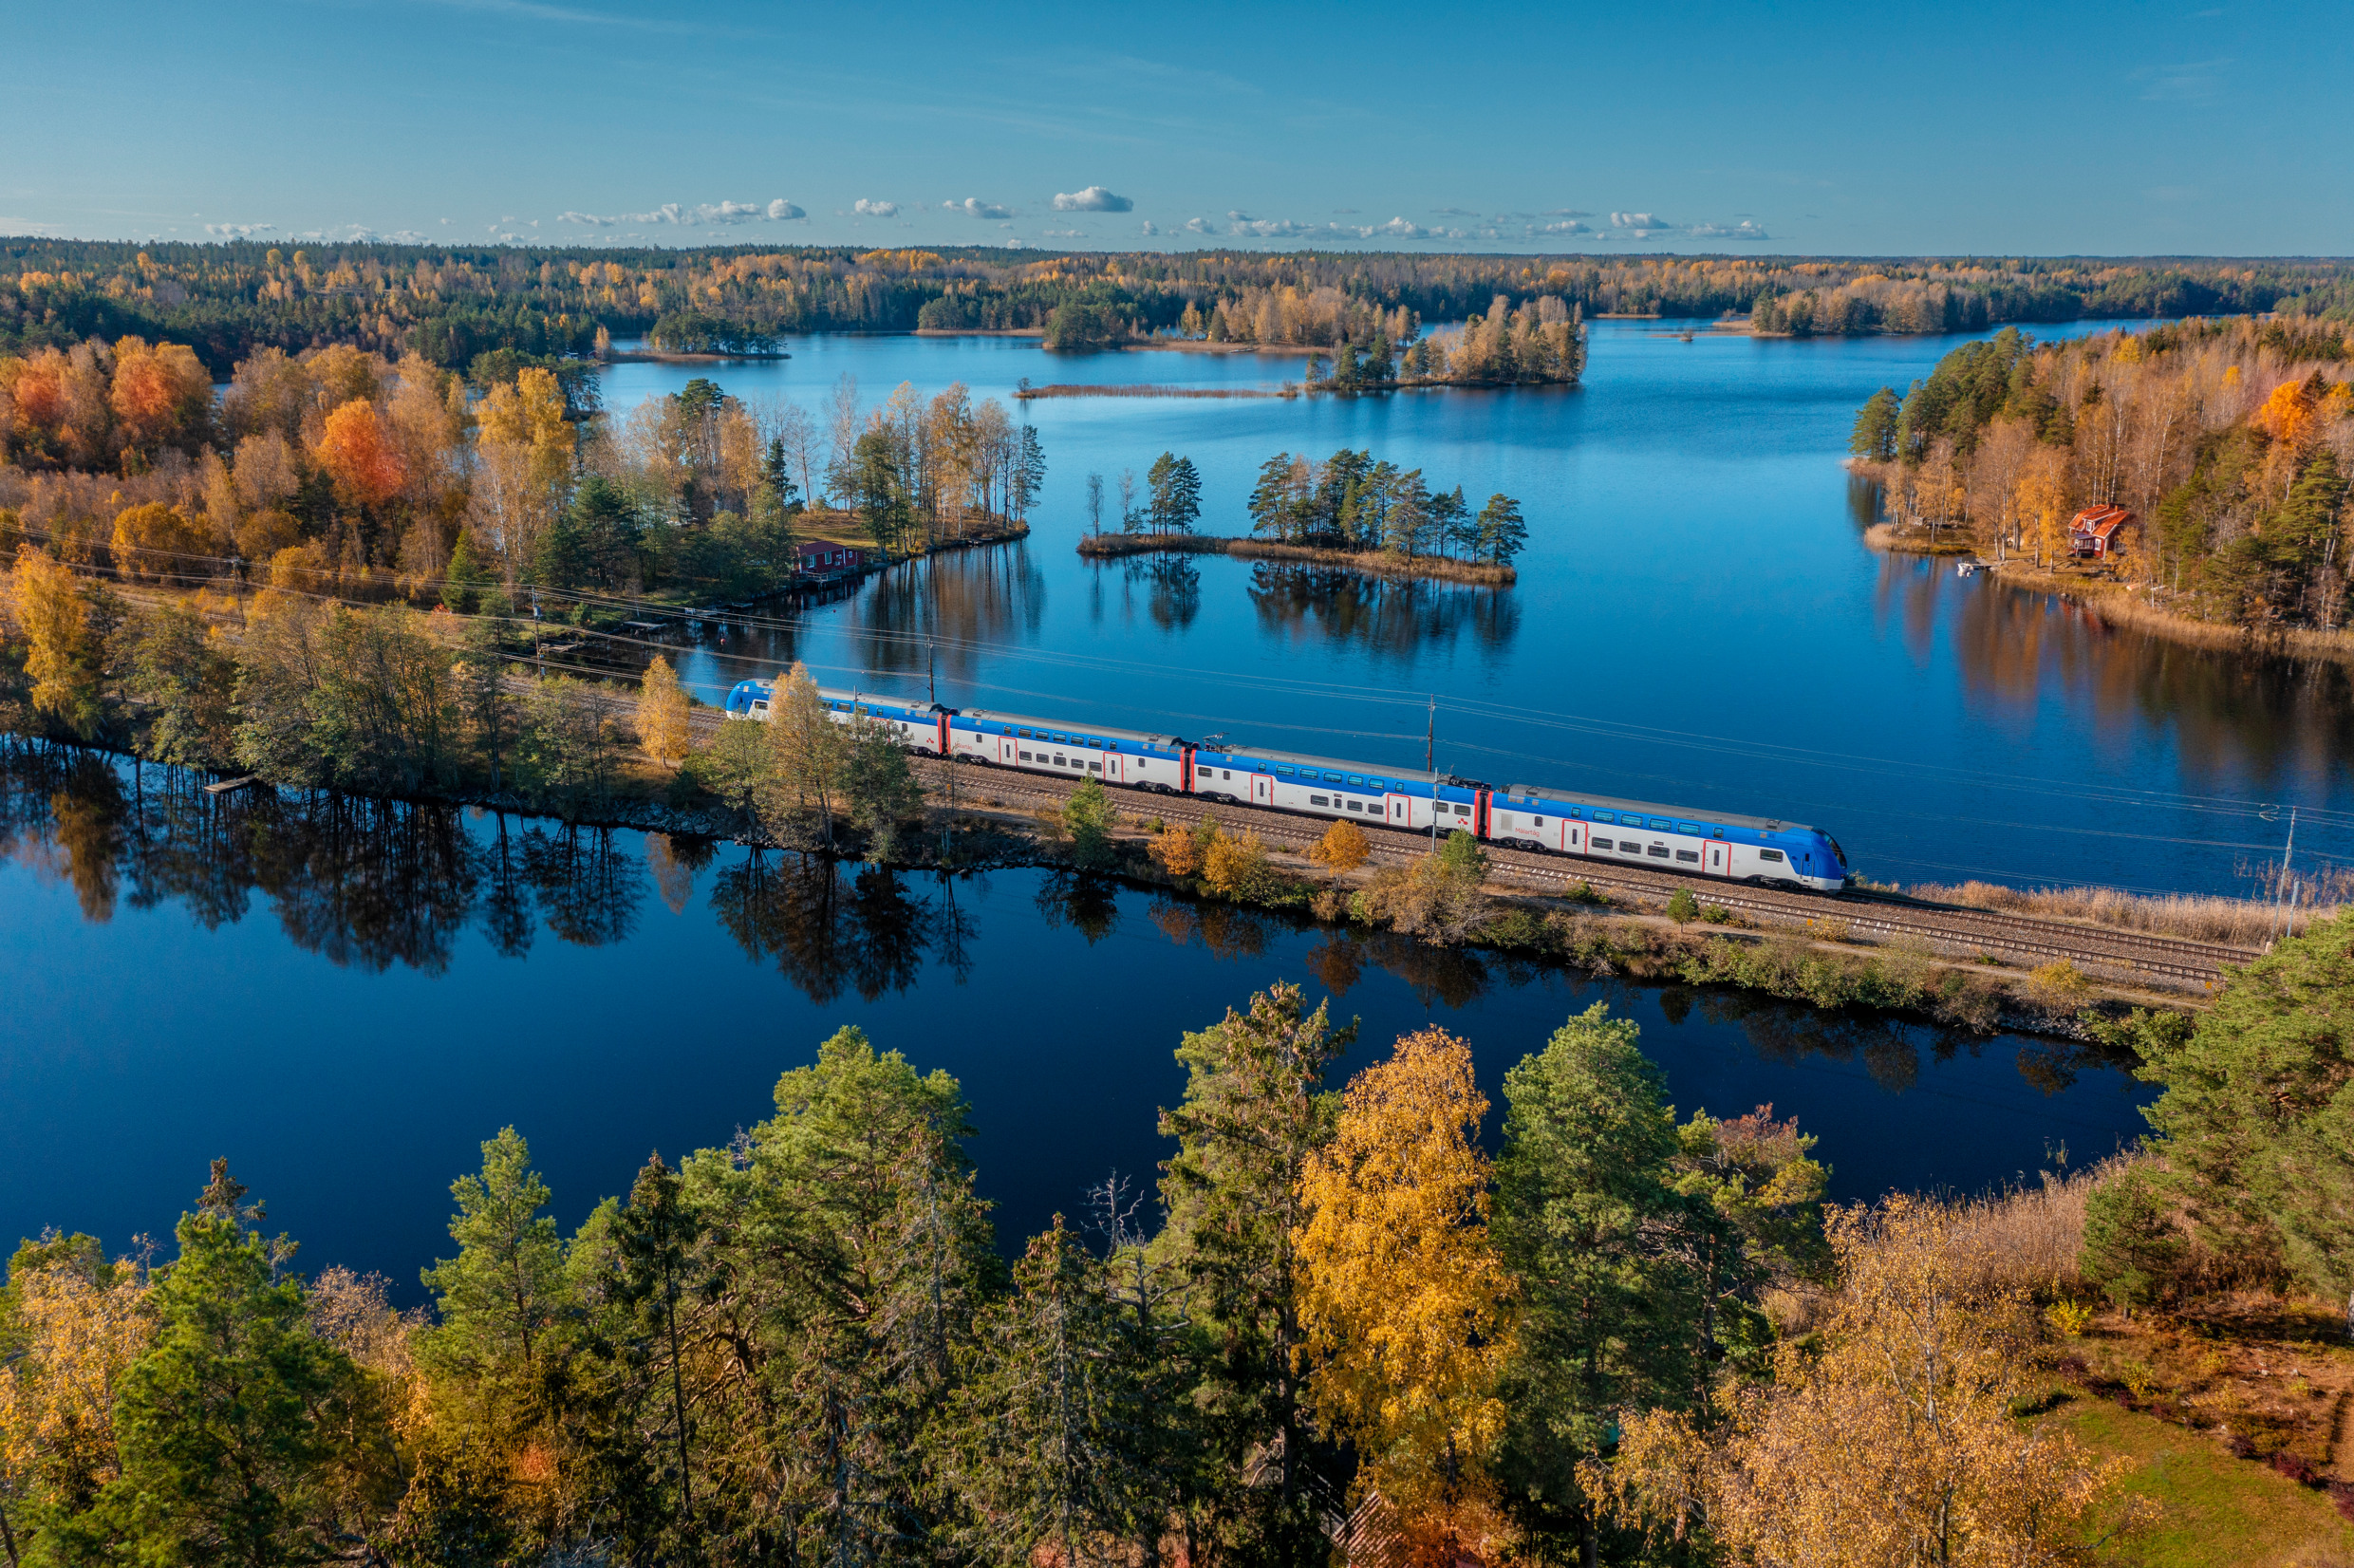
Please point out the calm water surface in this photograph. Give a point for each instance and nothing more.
(1696, 622)
(346, 997)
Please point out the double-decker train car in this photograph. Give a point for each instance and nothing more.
(1674, 838)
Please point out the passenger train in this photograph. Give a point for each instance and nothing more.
(1669, 838)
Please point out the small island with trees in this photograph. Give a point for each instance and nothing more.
(1349, 510)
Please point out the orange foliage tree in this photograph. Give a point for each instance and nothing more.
(360, 454)
(160, 395)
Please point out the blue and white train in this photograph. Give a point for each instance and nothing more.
(1523, 816)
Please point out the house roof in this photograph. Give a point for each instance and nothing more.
(2100, 521)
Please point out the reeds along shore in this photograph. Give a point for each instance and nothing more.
(1368, 563)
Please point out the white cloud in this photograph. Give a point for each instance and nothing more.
(679, 215)
(406, 236)
(238, 231)
(781, 210)
(974, 207)
(1567, 226)
(1151, 227)
(874, 209)
(1641, 222)
(1062, 234)
(1093, 199)
(1744, 230)
(1566, 212)
(1200, 226)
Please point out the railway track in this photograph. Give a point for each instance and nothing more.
(2128, 956)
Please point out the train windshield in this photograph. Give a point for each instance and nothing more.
(1836, 850)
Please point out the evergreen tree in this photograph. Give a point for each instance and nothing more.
(1875, 428)
(1255, 1109)
(1609, 1316)
(487, 707)
(1175, 488)
(1060, 1447)
(505, 1291)
(1450, 522)
(1271, 500)
(2250, 1121)
(228, 1426)
(464, 579)
(1501, 533)
(879, 787)
(1029, 476)
(657, 1246)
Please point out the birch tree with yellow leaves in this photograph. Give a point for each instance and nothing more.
(1405, 1305)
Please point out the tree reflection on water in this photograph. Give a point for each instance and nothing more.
(1394, 619)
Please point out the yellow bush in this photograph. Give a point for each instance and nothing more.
(1236, 863)
(1179, 856)
(1343, 848)
(157, 541)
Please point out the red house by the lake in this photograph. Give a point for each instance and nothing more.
(813, 556)
(2099, 532)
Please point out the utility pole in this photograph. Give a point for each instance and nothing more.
(536, 658)
(1430, 765)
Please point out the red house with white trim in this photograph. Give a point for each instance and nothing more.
(813, 557)
(2099, 532)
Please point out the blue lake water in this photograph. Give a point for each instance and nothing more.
(345, 998)
(1697, 620)
(345, 1010)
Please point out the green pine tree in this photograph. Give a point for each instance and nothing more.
(229, 1427)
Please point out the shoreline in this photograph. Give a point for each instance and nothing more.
(1828, 972)
(2116, 604)
(670, 356)
(1104, 547)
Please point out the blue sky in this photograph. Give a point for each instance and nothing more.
(1992, 129)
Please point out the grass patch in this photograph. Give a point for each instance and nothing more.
(2215, 1511)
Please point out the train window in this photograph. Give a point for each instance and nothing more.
(1691, 827)
(1319, 800)
(1661, 825)
(1024, 733)
(1282, 769)
(1576, 813)
(1463, 811)
(1356, 806)
(1627, 847)
(1356, 778)
(1225, 772)
(1026, 756)
(1097, 767)
(1536, 822)
(1659, 850)
(1692, 855)
(1769, 854)
(1605, 816)
(1603, 843)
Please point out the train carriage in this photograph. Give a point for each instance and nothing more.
(1668, 838)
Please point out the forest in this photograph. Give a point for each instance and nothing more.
(2230, 443)
(339, 470)
(1353, 502)
(1356, 1317)
(448, 304)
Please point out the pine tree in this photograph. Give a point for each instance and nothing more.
(1874, 434)
(1501, 533)
(1610, 1316)
(1059, 1451)
(879, 787)
(662, 715)
(227, 1424)
(656, 1244)
(505, 1291)
(1255, 1110)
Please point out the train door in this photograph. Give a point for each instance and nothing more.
(1401, 811)
(1573, 836)
(1112, 769)
(1715, 857)
(1261, 790)
(1009, 751)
